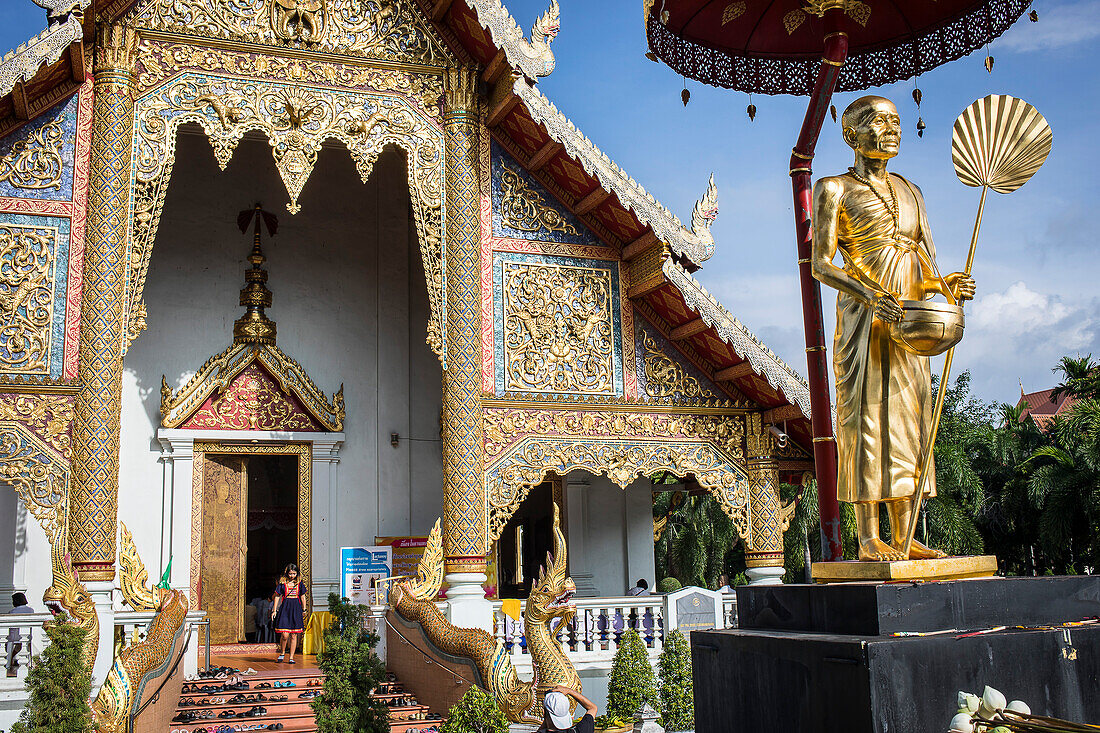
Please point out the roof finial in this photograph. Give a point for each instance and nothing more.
(254, 327)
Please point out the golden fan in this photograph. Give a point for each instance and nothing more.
(998, 142)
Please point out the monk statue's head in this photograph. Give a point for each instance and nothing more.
(872, 127)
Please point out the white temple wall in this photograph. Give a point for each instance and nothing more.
(610, 534)
(350, 303)
(25, 559)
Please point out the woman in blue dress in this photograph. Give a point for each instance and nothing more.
(289, 611)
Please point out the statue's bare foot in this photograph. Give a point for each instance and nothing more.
(876, 550)
(921, 551)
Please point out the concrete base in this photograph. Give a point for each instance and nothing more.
(944, 568)
(467, 606)
(765, 576)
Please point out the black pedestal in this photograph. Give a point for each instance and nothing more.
(819, 658)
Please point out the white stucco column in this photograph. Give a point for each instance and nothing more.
(101, 592)
(767, 575)
(326, 549)
(467, 606)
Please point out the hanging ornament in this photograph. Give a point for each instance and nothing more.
(989, 62)
(1033, 16)
(751, 110)
(651, 56)
(832, 111)
(917, 95)
(920, 127)
(685, 95)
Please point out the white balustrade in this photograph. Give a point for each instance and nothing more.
(23, 637)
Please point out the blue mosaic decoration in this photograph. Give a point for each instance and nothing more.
(557, 326)
(523, 209)
(36, 161)
(34, 267)
(663, 373)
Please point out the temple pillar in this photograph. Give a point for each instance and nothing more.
(93, 491)
(464, 530)
(764, 554)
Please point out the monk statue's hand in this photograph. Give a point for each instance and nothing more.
(962, 285)
(886, 307)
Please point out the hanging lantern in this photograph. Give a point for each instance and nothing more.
(832, 111)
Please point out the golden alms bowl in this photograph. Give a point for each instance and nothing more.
(928, 327)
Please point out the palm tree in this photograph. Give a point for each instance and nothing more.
(1081, 378)
(696, 538)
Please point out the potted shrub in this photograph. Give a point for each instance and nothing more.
(352, 672)
(676, 689)
(476, 712)
(59, 684)
(631, 681)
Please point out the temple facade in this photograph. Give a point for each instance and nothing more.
(454, 305)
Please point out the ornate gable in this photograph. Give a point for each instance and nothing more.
(252, 385)
(387, 30)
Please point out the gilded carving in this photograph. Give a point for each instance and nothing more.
(35, 163)
(48, 417)
(664, 377)
(390, 30)
(523, 446)
(133, 577)
(558, 334)
(297, 121)
(28, 260)
(238, 406)
(525, 209)
(39, 475)
(251, 402)
(305, 500)
(510, 480)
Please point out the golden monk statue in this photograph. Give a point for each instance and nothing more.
(877, 221)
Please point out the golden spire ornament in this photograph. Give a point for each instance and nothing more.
(254, 327)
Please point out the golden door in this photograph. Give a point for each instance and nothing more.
(224, 545)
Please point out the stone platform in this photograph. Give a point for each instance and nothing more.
(878, 658)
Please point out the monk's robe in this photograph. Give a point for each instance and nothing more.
(883, 392)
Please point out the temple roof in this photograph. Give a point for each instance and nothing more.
(658, 250)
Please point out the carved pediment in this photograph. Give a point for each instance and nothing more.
(390, 30)
(251, 387)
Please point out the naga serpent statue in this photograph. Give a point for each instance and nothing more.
(551, 598)
(68, 595)
(132, 665)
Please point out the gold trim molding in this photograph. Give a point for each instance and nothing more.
(304, 451)
(220, 370)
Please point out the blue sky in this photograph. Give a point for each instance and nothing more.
(1037, 265)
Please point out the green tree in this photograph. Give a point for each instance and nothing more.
(697, 539)
(352, 672)
(631, 679)
(676, 689)
(963, 433)
(1081, 378)
(476, 712)
(59, 684)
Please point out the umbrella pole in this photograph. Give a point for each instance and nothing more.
(825, 456)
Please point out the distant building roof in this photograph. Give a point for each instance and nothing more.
(1043, 408)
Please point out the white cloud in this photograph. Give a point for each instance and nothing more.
(1060, 25)
(1020, 334)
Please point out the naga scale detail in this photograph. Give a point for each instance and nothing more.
(551, 598)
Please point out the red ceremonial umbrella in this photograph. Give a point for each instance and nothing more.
(816, 47)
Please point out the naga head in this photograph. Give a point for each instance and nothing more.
(552, 594)
(429, 573)
(703, 215)
(547, 26)
(68, 595)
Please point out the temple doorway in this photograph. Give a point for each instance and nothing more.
(254, 507)
(526, 539)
